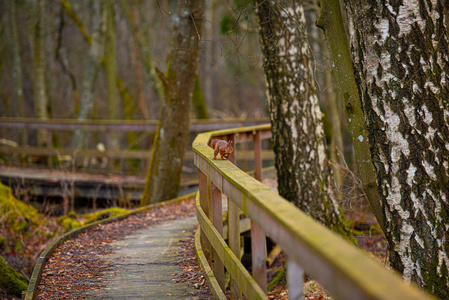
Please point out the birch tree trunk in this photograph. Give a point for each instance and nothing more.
(39, 66)
(94, 59)
(164, 171)
(401, 61)
(298, 137)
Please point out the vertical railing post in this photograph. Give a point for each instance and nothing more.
(234, 226)
(217, 220)
(259, 255)
(295, 280)
(49, 147)
(232, 156)
(234, 240)
(257, 156)
(205, 206)
(258, 239)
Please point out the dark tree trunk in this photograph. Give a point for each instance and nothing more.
(111, 72)
(17, 71)
(298, 137)
(164, 172)
(400, 54)
(39, 69)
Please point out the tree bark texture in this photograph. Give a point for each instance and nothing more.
(71, 13)
(199, 102)
(111, 72)
(400, 54)
(39, 66)
(326, 94)
(164, 171)
(331, 21)
(298, 137)
(17, 71)
(142, 54)
(95, 56)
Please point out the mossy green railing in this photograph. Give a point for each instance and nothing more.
(344, 271)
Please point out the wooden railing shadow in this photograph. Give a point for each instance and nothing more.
(342, 269)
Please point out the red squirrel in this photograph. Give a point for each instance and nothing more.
(223, 147)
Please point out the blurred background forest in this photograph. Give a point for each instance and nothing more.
(139, 39)
(73, 60)
(230, 72)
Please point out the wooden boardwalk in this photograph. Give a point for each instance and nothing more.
(144, 263)
(54, 183)
(146, 254)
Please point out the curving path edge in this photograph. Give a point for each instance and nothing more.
(30, 293)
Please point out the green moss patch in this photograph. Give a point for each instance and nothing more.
(105, 214)
(18, 215)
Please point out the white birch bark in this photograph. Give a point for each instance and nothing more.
(298, 136)
(400, 53)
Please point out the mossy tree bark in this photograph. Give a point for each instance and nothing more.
(39, 69)
(139, 44)
(95, 56)
(11, 280)
(326, 95)
(401, 62)
(298, 136)
(128, 106)
(79, 23)
(331, 21)
(164, 171)
(17, 70)
(199, 102)
(128, 110)
(61, 54)
(111, 71)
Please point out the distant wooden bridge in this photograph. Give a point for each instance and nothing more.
(47, 183)
(98, 171)
(98, 156)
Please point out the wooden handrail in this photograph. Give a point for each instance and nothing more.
(120, 125)
(73, 157)
(344, 270)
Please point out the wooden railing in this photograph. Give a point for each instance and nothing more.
(108, 160)
(344, 271)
